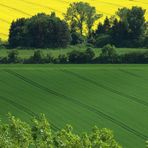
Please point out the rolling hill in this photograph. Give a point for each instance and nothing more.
(13, 9)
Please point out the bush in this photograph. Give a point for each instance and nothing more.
(48, 58)
(89, 54)
(108, 54)
(13, 57)
(62, 59)
(102, 40)
(39, 134)
(77, 57)
(3, 60)
(37, 57)
(135, 57)
(74, 56)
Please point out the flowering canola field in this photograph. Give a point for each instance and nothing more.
(13, 9)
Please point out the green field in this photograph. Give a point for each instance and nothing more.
(26, 53)
(111, 96)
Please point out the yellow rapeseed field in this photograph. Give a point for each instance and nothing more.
(12, 9)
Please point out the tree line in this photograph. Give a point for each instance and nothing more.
(127, 28)
(108, 54)
(39, 134)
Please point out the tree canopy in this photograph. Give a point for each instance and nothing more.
(40, 134)
(39, 31)
(127, 28)
(82, 15)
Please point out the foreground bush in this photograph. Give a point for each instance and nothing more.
(19, 134)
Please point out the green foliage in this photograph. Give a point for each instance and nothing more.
(81, 14)
(127, 31)
(108, 54)
(136, 22)
(13, 56)
(131, 27)
(37, 57)
(81, 56)
(102, 40)
(63, 59)
(108, 50)
(76, 38)
(3, 44)
(127, 28)
(135, 57)
(19, 134)
(39, 31)
(17, 33)
(41, 132)
(15, 134)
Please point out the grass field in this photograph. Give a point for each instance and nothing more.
(111, 96)
(13, 9)
(26, 53)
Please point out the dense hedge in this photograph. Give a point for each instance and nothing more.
(39, 134)
(108, 55)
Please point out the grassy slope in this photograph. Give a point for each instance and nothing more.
(25, 53)
(112, 96)
(11, 10)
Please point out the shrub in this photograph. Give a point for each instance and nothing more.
(39, 134)
(74, 56)
(135, 57)
(89, 54)
(13, 57)
(102, 40)
(48, 58)
(62, 59)
(108, 54)
(81, 56)
(37, 57)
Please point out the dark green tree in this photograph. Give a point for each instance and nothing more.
(39, 31)
(120, 34)
(136, 22)
(17, 33)
(131, 27)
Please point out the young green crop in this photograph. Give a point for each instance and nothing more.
(111, 96)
